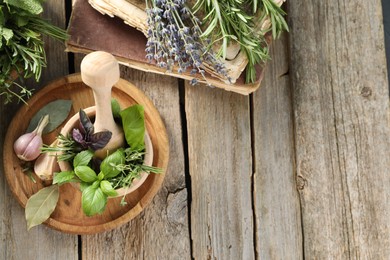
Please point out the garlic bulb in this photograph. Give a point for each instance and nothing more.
(28, 146)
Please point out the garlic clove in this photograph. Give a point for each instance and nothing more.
(45, 166)
(22, 142)
(28, 146)
(28, 149)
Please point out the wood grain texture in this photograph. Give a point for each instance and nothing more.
(161, 230)
(341, 111)
(39, 242)
(220, 164)
(277, 209)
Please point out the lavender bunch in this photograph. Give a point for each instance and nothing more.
(174, 38)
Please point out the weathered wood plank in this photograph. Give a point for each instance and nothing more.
(220, 164)
(161, 231)
(39, 242)
(277, 209)
(341, 110)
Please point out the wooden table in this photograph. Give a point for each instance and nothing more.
(300, 169)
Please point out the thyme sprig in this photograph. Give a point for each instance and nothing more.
(131, 168)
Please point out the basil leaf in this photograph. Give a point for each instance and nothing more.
(116, 108)
(93, 200)
(78, 137)
(57, 110)
(107, 188)
(85, 123)
(108, 164)
(133, 122)
(82, 158)
(40, 205)
(84, 185)
(99, 140)
(100, 176)
(85, 173)
(63, 177)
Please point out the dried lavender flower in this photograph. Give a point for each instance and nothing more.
(174, 38)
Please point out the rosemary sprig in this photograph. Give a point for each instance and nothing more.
(234, 21)
(21, 46)
(66, 150)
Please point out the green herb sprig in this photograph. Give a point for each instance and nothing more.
(21, 46)
(235, 21)
(131, 168)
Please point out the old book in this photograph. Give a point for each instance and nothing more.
(90, 31)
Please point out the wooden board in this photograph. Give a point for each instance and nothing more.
(220, 164)
(68, 216)
(342, 127)
(276, 201)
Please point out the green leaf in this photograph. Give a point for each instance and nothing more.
(2, 18)
(107, 188)
(116, 108)
(31, 6)
(40, 205)
(63, 177)
(93, 200)
(21, 21)
(7, 33)
(84, 185)
(85, 173)
(57, 110)
(100, 176)
(108, 164)
(133, 122)
(82, 158)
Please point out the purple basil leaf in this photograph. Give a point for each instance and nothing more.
(99, 140)
(85, 123)
(78, 136)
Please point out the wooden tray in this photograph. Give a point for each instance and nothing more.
(68, 216)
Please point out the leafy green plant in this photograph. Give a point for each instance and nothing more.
(21, 45)
(95, 187)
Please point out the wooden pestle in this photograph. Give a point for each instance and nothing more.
(100, 71)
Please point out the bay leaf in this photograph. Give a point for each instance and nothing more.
(57, 110)
(40, 205)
